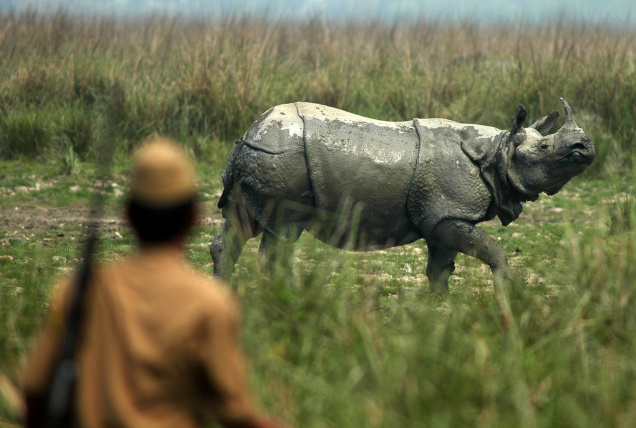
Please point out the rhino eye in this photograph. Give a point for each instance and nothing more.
(544, 145)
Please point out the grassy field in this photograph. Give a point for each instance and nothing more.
(350, 339)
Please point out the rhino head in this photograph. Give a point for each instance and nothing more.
(545, 163)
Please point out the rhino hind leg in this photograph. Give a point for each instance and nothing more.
(282, 227)
(277, 251)
(272, 194)
(225, 250)
(227, 245)
(440, 266)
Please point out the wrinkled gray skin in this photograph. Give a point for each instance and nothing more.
(359, 183)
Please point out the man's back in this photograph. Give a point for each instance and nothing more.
(159, 347)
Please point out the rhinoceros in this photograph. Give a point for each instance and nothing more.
(360, 183)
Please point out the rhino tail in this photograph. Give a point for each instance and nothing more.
(228, 175)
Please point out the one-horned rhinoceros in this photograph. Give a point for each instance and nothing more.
(360, 183)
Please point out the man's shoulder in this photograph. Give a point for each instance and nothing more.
(211, 302)
(209, 288)
(183, 280)
(183, 296)
(209, 295)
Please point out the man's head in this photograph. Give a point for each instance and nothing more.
(161, 204)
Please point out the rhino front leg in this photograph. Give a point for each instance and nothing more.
(440, 266)
(457, 235)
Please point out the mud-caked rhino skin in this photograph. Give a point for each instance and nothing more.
(360, 183)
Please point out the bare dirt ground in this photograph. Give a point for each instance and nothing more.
(26, 222)
(36, 222)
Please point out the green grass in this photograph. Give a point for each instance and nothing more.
(356, 339)
(205, 83)
(346, 339)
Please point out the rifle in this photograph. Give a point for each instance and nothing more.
(61, 392)
(58, 411)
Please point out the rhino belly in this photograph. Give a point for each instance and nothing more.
(360, 172)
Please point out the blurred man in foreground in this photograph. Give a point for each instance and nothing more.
(159, 341)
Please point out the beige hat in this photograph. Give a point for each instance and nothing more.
(162, 175)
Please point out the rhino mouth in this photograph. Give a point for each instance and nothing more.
(581, 153)
(581, 156)
(555, 190)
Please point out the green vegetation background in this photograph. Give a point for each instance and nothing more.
(350, 339)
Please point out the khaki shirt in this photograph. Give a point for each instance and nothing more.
(159, 347)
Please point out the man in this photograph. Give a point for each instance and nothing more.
(159, 345)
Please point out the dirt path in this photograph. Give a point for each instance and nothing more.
(28, 222)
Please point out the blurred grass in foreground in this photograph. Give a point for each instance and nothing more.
(331, 350)
(356, 339)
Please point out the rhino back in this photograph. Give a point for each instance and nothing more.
(279, 130)
(358, 162)
(447, 183)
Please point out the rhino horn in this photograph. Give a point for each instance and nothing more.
(569, 116)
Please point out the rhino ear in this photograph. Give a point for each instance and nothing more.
(520, 117)
(546, 123)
